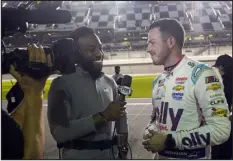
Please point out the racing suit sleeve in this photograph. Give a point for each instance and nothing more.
(61, 126)
(216, 128)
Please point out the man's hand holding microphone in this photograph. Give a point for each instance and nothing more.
(115, 109)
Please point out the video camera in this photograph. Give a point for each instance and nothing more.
(62, 52)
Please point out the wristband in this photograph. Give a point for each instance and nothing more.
(103, 117)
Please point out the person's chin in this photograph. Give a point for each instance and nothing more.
(98, 65)
(156, 61)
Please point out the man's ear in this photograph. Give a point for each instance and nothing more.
(171, 41)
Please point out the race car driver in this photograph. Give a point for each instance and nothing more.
(189, 106)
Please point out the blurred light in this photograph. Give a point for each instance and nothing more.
(125, 39)
(98, 32)
(228, 34)
(201, 35)
(199, 38)
(108, 31)
(118, 2)
(144, 38)
(4, 4)
(34, 35)
(10, 36)
(58, 8)
(129, 34)
(210, 35)
(49, 34)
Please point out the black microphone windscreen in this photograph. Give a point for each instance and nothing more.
(40, 16)
(127, 81)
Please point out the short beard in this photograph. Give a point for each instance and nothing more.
(87, 64)
(168, 53)
(163, 59)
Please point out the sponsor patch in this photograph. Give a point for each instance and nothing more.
(191, 64)
(155, 81)
(213, 87)
(181, 80)
(196, 139)
(177, 95)
(161, 82)
(178, 88)
(197, 70)
(211, 79)
(219, 112)
(166, 113)
(161, 91)
(216, 95)
(217, 101)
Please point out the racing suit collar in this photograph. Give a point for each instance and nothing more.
(177, 65)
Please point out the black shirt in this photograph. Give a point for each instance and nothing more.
(12, 138)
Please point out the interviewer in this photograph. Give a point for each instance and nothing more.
(84, 107)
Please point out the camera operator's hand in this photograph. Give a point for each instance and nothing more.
(28, 84)
(114, 111)
(29, 113)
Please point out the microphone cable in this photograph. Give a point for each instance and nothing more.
(112, 149)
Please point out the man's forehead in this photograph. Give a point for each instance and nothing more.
(154, 33)
(91, 39)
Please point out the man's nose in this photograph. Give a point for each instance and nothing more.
(148, 49)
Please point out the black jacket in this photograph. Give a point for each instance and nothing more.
(12, 138)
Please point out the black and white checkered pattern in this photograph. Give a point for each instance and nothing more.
(174, 10)
(170, 10)
(102, 17)
(133, 17)
(198, 16)
(204, 17)
(225, 16)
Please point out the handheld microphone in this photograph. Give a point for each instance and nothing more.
(124, 89)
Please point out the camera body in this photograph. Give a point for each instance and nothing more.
(62, 55)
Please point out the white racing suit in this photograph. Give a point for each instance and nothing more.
(189, 103)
